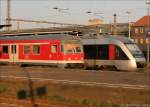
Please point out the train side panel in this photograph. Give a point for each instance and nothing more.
(108, 55)
(38, 52)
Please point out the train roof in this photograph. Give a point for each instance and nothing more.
(38, 37)
(107, 39)
(120, 38)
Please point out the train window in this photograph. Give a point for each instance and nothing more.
(13, 49)
(73, 48)
(120, 55)
(26, 49)
(5, 49)
(103, 52)
(96, 51)
(134, 49)
(54, 48)
(78, 49)
(69, 48)
(88, 52)
(36, 49)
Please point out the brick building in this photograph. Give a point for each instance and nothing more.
(139, 32)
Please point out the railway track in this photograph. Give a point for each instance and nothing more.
(129, 86)
(131, 80)
(120, 84)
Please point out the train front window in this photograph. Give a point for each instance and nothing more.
(120, 55)
(134, 49)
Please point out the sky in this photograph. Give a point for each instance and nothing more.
(75, 11)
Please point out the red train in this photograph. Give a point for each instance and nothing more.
(52, 49)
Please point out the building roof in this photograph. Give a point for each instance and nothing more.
(143, 21)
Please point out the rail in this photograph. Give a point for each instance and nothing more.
(128, 86)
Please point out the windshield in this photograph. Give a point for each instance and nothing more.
(134, 49)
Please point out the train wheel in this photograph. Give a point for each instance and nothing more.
(96, 67)
(101, 67)
(114, 68)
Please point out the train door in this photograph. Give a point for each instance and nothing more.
(112, 52)
(13, 53)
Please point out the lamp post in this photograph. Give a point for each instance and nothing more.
(129, 24)
(8, 15)
(115, 24)
(95, 39)
(148, 30)
(2, 25)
